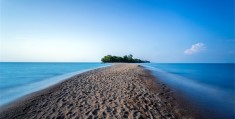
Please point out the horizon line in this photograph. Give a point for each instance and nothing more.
(115, 62)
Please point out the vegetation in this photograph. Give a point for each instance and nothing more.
(126, 58)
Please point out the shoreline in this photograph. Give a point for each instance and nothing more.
(186, 106)
(48, 83)
(175, 100)
(45, 90)
(117, 91)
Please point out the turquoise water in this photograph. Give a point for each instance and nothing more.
(210, 86)
(19, 79)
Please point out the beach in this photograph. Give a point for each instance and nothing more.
(118, 91)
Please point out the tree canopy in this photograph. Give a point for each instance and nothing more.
(126, 59)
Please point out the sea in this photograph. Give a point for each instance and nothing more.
(210, 86)
(18, 79)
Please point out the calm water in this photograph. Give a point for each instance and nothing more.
(18, 79)
(209, 86)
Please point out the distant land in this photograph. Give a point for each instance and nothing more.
(124, 59)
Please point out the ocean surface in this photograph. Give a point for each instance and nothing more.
(19, 79)
(209, 86)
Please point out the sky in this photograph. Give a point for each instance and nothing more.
(162, 31)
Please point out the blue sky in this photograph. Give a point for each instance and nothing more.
(85, 30)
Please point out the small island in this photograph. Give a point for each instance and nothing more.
(124, 59)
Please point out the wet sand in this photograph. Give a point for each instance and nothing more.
(119, 91)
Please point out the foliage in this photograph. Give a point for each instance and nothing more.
(126, 58)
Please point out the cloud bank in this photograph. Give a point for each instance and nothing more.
(195, 49)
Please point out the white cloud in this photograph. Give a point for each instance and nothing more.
(195, 49)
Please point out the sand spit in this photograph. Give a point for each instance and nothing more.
(119, 91)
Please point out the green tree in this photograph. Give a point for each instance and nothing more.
(130, 58)
(107, 58)
(125, 58)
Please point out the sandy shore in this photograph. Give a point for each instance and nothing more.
(119, 91)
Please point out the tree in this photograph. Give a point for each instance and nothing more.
(107, 58)
(129, 58)
(125, 58)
